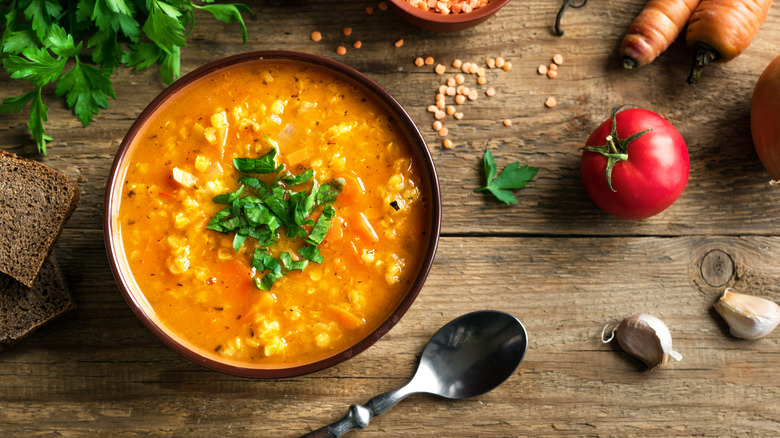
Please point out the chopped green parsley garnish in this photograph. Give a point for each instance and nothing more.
(257, 210)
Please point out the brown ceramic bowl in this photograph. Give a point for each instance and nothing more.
(445, 23)
(120, 264)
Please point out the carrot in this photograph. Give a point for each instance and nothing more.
(352, 191)
(719, 30)
(298, 156)
(654, 30)
(345, 318)
(363, 227)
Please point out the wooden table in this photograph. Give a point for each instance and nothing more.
(555, 260)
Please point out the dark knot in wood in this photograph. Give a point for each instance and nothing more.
(717, 268)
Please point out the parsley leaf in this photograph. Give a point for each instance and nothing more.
(87, 89)
(163, 26)
(40, 13)
(228, 14)
(512, 177)
(40, 37)
(35, 65)
(141, 55)
(272, 207)
(39, 113)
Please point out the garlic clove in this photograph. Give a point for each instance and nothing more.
(647, 338)
(748, 316)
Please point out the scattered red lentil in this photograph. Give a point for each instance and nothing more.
(399, 43)
(443, 131)
(440, 104)
(440, 115)
(500, 62)
(447, 143)
(383, 6)
(481, 80)
(558, 58)
(432, 108)
(473, 95)
(442, 89)
(459, 79)
(507, 122)
(451, 82)
(450, 110)
(316, 36)
(357, 44)
(490, 92)
(429, 60)
(491, 63)
(458, 115)
(507, 66)
(341, 50)
(552, 74)
(473, 68)
(369, 10)
(347, 31)
(437, 125)
(550, 102)
(419, 62)
(465, 67)
(457, 63)
(451, 91)
(553, 66)
(440, 69)
(460, 99)
(542, 69)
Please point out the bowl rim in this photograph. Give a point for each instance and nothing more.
(350, 74)
(491, 8)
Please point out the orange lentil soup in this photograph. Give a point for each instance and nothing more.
(200, 287)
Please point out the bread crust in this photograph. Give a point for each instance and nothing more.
(35, 203)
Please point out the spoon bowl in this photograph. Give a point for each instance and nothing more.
(469, 356)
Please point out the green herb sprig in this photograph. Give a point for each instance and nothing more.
(78, 44)
(512, 177)
(261, 214)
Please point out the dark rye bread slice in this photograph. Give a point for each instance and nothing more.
(35, 203)
(23, 309)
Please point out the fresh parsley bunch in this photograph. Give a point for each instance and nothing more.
(78, 44)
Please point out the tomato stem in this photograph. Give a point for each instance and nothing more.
(615, 149)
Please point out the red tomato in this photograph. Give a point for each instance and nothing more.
(650, 169)
(765, 118)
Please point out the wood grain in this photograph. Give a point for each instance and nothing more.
(554, 260)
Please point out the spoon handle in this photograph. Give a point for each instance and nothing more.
(360, 415)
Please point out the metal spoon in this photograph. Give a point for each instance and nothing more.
(469, 356)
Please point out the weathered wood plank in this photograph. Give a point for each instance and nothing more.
(109, 367)
(727, 192)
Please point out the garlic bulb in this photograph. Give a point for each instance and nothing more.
(645, 337)
(748, 316)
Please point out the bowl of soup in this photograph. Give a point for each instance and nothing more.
(272, 214)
